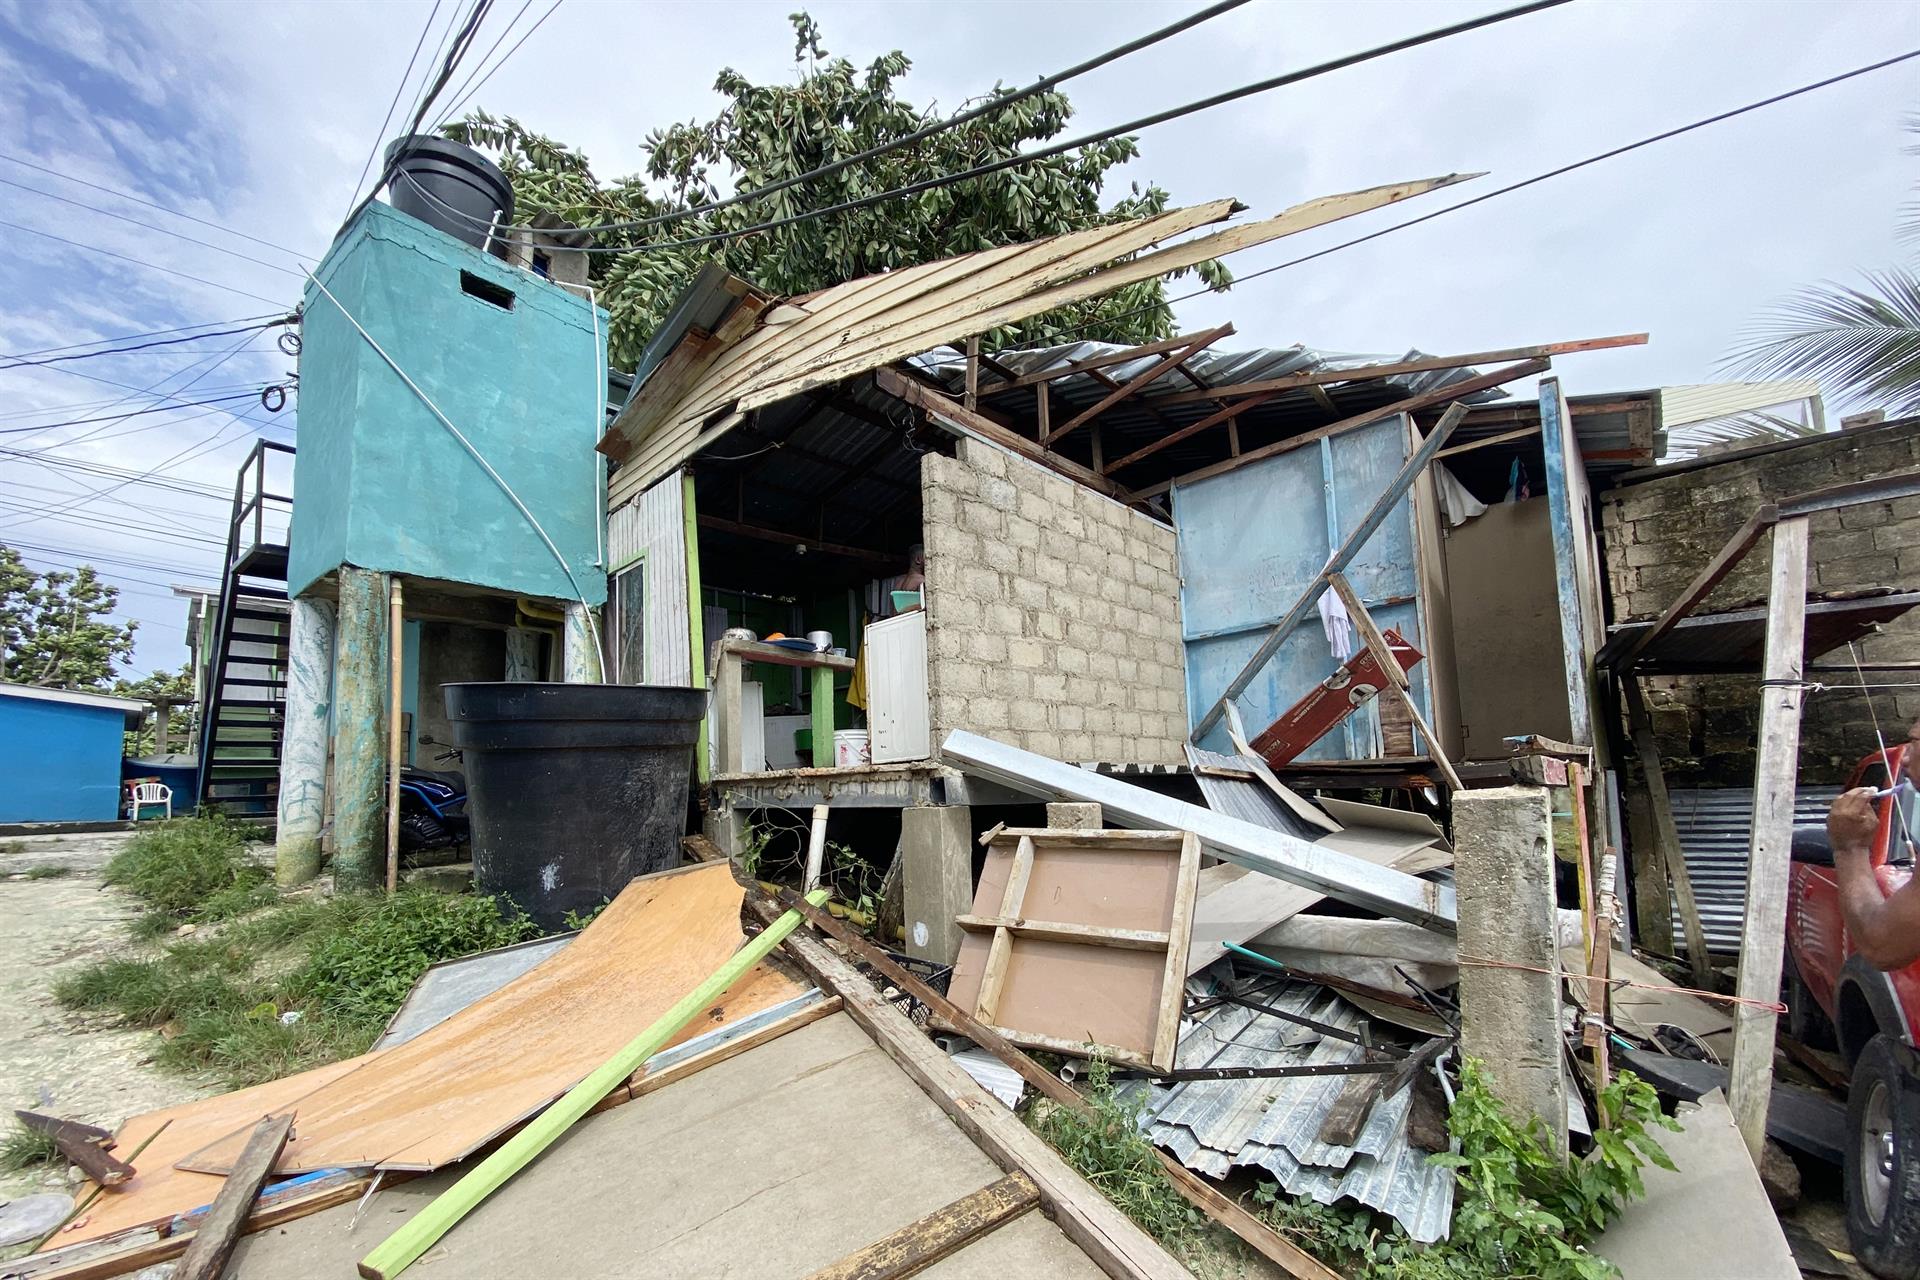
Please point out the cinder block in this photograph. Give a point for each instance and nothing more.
(1026, 654)
(1049, 686)
(986, 646)
(986, 714)
(1022, 532)
(1005, 619)
(1074, 816)
(1028, 714)
(1070, 716)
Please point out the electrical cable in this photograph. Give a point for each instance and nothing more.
(119, 526)
(143, 346)
(94, 248)
(481, 64)
(461, 101)
(103, 557)
(108, 213)
(1562, 170)
(1132, 126)
(185, 521)
(172, 484)
(154, 389)
(129, 337)
(67, 177)
(131, 413)
(398, 89)
(593, 627)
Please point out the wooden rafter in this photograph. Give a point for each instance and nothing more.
(1134, 386)
(784, 538)
(1104, 360)
(1226, 415)
(1425, 364)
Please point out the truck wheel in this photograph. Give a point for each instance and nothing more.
(1883, 1163)
(1807, 1022)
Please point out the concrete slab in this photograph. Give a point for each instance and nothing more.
(1711, 1220)
(774, 1163)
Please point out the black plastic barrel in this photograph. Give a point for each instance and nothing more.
(573, 789)
(451, 187)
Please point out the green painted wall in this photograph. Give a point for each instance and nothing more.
(380, 483)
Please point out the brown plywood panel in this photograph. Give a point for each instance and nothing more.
(442, 1095)
(1082, 994)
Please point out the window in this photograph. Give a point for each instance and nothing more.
(630, 625)
(486, 291)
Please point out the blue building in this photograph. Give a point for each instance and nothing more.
(63, 753)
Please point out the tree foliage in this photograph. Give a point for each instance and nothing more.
(767, 132)
(54, 630)
(1861, 340)
(175, 687)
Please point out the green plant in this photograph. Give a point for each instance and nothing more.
(769, 132)
(580, 920)
(23, 1148)
(55, 629)
(192, 868)
(1519, 1210)
(48, 871)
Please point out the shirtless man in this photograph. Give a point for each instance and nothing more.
(1885, 928)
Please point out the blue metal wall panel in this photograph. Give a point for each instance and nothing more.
(1251, 540)
(63, 761)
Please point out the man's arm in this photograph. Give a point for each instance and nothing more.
(1884, 928)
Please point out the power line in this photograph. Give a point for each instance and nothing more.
(129, 337)
(995, 104)
(465, 94)
(131, 413)
(1085, 140)
(1536, 179)
(174, 395)
(164, 342)
(398, 89)
(108, 213)
(66, 177)
(479, 66)
(81, 553)
(94, 248)
(172, 484)
(119, 526)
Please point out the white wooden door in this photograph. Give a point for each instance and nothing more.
(896, 660)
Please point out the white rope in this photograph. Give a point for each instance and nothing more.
(593, 628)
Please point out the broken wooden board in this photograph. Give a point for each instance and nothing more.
(446, 1093)
(773, 1164)
(1353, 684)
(1078, 941)
(1710, 1219)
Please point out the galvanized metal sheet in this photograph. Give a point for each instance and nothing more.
(1716, 834)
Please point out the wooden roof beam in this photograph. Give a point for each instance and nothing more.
(1134, 386)
(1226, 414)
(1103, 361)
(1425, 364)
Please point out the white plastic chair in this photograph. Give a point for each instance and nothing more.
(145, 793)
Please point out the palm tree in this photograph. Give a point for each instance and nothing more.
(1863, 341)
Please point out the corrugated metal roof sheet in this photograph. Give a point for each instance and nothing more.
(1734, 641)
(1716, 836)
(1274, 1124)
(1704, 401)
(868, 323)
(1250, 801)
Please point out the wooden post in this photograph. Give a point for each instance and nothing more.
(1383, 654)
(214, 1238)
(971, 397)
(1763, 935)
(1671, 858)
(396, 664)
(823, 717)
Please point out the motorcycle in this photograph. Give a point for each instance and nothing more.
(433, 807)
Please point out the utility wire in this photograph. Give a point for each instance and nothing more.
(94, 248)
(154, 387)
(461, 101)
(65, 177)
(129, 337)
(398, 89)
(133, 413)
(1103, 135)
(172, 484)
(165, 231)
(101, 557)
(1536, 179)
(142, 346)
(481, 64)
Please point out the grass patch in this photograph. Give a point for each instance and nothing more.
(194, 869)
(48, 871)
(24, 1148)
(13, 846)
(291, 985)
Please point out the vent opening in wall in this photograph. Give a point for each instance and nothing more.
(486, 290)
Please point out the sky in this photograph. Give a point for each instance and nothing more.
(259, 117)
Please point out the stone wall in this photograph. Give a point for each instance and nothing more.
(1662, 532)
(1053, 614)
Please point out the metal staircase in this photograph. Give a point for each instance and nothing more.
(244, 708)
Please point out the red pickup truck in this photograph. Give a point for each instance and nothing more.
(1835, 999)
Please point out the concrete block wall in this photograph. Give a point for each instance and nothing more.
(1661, 533)
(1053, 613)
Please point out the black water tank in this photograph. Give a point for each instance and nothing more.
(573, 789)
(451, 187)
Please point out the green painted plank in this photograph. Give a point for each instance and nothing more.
(401, 1249)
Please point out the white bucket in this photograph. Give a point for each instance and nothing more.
(850, 748)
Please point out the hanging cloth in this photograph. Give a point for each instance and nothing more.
(1519, 487)
(1339, 627)
(1457, 504)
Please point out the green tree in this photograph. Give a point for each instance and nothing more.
(55, 628)
(1862, 340)
(173, 686)
(767, 132)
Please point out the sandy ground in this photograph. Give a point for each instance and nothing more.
(51, 1060)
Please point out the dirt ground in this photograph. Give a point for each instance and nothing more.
(51, 1060)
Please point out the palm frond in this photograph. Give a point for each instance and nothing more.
(1737, 432)
(1864, 342)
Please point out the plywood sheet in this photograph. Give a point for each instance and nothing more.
(1076, 992)
(158, 1190)
(443, 1095)
(770, 1165)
